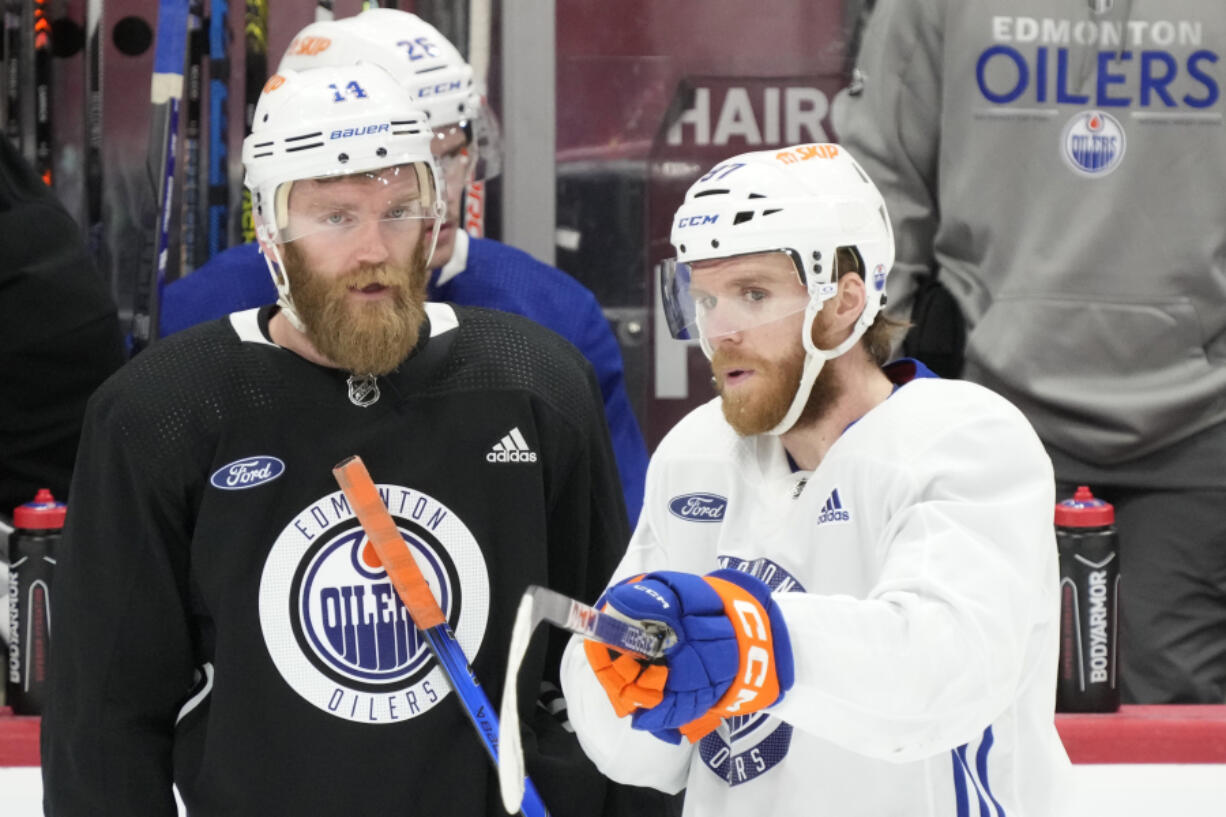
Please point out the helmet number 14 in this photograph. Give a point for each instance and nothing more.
(352, 89)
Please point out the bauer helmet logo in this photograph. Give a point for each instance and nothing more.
(274, 82)
(364, 130)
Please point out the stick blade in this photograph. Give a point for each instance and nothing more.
(511, 771)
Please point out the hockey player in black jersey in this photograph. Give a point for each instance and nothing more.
(222, 624)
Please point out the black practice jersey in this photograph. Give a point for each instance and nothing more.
(221, 623)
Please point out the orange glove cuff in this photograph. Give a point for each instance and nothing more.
(757, 683)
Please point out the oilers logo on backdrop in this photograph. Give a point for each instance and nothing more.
(744, 748)
(1069, 69)
(1093, 143)
(333, 624)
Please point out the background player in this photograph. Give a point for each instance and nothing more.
(861, 568)
(1105, 324)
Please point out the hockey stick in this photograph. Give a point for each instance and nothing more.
(480, 22)
(43, 148)
(96, 228)
(542, 604)
(166, 93)
(411, 586)
(197, 44)
(13, 62)
(256, 74)
(219, 124)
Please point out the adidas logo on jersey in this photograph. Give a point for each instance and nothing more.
(511, 448)
(833, 510)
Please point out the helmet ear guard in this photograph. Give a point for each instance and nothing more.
(807, 201)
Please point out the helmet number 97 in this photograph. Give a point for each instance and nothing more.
(720, 171)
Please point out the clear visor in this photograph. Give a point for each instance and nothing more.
(720, 298)
(480, 156)
(399, 201)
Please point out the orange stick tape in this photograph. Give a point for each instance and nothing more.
(393, 551)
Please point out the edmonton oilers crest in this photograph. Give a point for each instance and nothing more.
(1093, 143)
(745, 747)
(333, 624)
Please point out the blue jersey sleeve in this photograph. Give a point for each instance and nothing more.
(231, 281)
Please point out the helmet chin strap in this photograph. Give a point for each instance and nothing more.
(280, 280)
(815, 359)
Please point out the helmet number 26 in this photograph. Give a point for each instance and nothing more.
(419, 48)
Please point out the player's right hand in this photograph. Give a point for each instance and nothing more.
(630, 682)
(700, 666)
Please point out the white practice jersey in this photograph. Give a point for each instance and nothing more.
(917, 571)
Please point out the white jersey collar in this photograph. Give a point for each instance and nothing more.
(459, 258)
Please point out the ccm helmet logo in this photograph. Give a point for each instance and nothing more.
(363, 131)
(441, 88)
(697, 221)
(247, 473)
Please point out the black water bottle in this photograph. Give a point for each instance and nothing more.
(1087, 680)
(32, 546)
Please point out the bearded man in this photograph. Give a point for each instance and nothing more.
(854, 560)
(223, 626)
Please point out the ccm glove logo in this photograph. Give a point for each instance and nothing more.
(756, 657)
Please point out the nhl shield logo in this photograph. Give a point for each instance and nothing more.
(1101, 6)
(336, 629)
(1093, 144)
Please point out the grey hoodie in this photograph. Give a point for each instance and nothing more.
(1063, 164)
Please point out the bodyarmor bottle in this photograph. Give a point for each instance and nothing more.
(1087, 679)
(32, 545)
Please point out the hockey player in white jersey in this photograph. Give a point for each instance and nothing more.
(857, 559)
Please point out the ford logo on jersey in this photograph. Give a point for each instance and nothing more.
(247, 473)
(698, 507)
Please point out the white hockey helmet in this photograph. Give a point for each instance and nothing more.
(805, 201)
(333, 122)
(425, 62)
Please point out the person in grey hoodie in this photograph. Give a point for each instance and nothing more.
(1059, 166)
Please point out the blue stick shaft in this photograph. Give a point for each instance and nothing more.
(477, 706)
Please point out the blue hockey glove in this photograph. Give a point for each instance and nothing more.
(732, 654)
